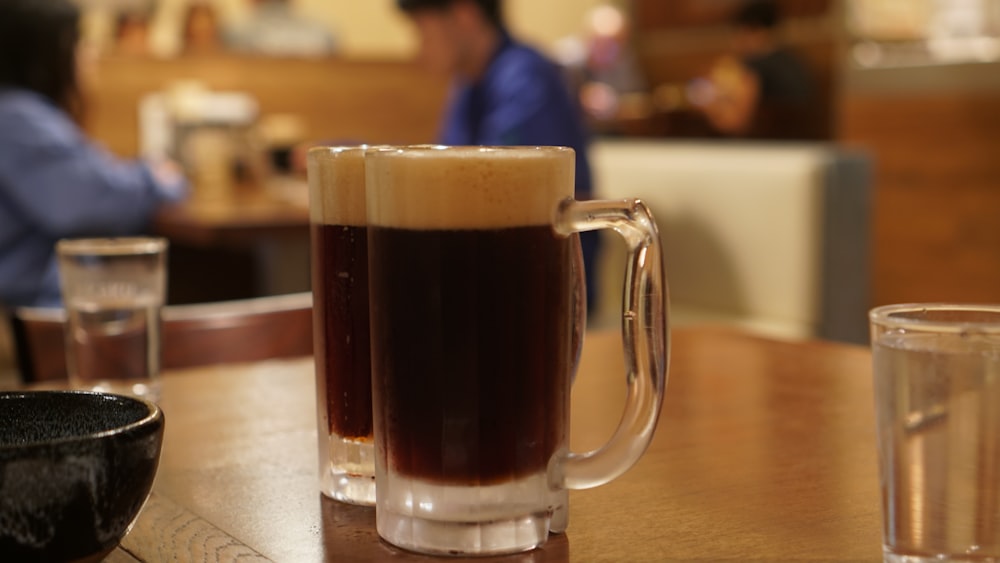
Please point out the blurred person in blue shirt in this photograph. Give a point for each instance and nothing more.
(54, 182)
(504, 92)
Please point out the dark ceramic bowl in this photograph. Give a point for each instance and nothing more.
(75, 468)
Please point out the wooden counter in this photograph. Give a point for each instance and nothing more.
(345, 101)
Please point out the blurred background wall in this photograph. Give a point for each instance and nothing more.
(913, 82)
(374, 28)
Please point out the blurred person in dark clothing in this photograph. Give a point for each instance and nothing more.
(54, 182)
(764, 90)
(504, 92)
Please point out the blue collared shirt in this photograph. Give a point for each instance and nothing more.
(55, 183)
(522, 99)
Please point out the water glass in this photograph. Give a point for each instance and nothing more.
(113, 290)
(937, 402)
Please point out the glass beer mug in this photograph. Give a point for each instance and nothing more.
(474, 292)
(340, 323)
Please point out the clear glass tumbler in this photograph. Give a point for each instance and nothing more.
(937, 403)
(113, 290)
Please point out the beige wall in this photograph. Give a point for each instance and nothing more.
(543, 22)
(364, 27)
(374, 28)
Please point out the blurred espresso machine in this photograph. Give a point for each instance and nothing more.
(212, 134)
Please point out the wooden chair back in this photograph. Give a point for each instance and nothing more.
(192, 335)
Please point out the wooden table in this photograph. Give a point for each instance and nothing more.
(765, 450)
(253, 243)
(249, 214)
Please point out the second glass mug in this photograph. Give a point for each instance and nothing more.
(340, 323)
(473, 292)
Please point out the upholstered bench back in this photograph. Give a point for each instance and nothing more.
(773, 238)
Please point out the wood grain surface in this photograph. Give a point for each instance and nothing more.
(168, 532)
(344, 101)
(241, 220)
(765, 451)
(934, 234)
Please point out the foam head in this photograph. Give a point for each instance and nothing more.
(337, 185)
(434, 187)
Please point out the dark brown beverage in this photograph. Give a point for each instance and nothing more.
(340, 305)
(340, 323)
(471, 335)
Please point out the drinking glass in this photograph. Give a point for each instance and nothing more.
(474, 294)
(113, 290)
(937, 403)
(340, 323)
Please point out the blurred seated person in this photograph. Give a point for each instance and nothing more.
(132, 33)
(504, 92)
(764, 91)
(54, 182)
(275, 29)
(201, 32)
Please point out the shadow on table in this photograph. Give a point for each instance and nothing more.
(349, 534)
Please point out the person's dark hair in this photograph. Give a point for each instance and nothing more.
(492, 9)
(758, 14)
(38, 40)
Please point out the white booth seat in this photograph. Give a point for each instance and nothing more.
(773, 238)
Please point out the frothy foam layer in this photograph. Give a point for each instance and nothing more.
(467, 187)
(337, 186)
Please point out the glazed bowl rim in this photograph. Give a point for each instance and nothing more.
(153, 414)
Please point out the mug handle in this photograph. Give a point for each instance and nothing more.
(645, 333)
